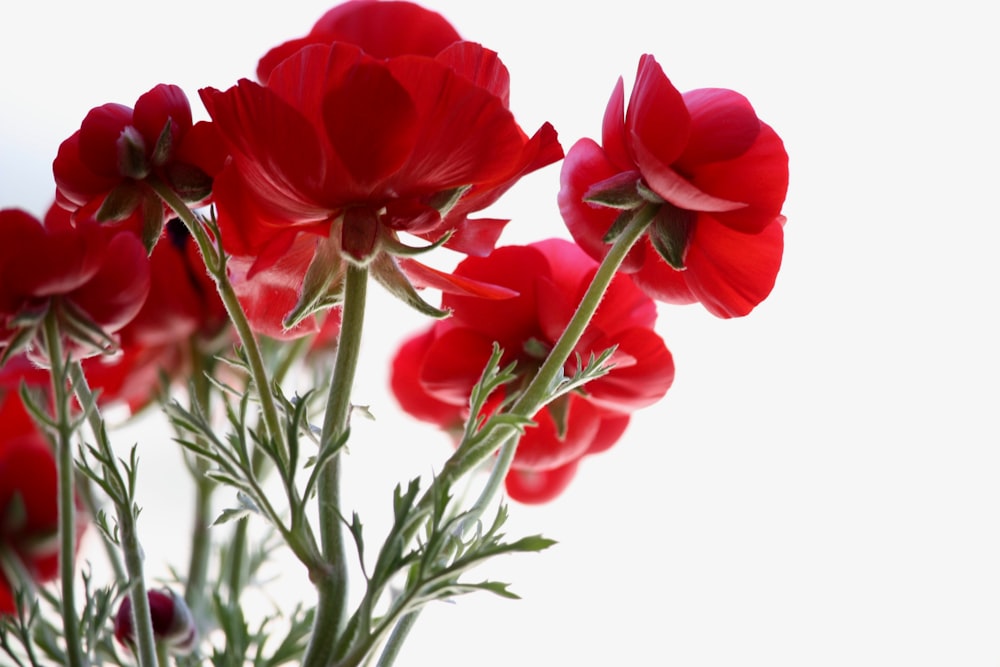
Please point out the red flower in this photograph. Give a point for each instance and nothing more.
(100, 169)
(710, 171)
(29, 508)
(434, 372)
(95, 278)
(351, 150)
(381, 29)
(182, 316)
(173, 622)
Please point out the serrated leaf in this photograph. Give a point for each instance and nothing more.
(228, 515)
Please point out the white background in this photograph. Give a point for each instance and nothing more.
(820, 486)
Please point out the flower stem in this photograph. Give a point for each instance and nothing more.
(201, 543)
(331, 584)
(539, 390)
(126, 513)
(66, 501)
(215, 262)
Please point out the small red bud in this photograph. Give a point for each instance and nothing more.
(172, 621)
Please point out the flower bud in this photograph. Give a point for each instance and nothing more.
(172, 621)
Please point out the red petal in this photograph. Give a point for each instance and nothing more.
(476, 237)
(459, 123)
(117, 291)
(480, 66)
(539, 486)
(422, 276)
(76, 182)
(731, 272)
(272, 293)
(154, 108)
(676, 189)
(640, 384)
(657, 119)
(408, 390)
(723, 127)
(587, 163)
(758, 177)
(277, 152)
(613, 130)
(99, 134)
(453, 363)
(371, 122)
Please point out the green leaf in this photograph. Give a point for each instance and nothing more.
(386, 271)
(670, 233)
(620, 191)
(323, 280)
(228, 515)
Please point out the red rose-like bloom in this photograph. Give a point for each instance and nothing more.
(352, 149)
(100, 169)
(29, 507)
(173, 622)
(434, 372)
(711, 173)
(90, 275)
(382, 29)
(182, 316)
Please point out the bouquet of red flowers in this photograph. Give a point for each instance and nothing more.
(219, 270)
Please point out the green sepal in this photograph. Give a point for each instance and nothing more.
(77, 325)
(153, 220)
(620, 223)
(619, 191)
(559, 411)
(445, 200)
(189, 182)
(385, 270)
(322, 284)
(648, 195)
(670, 233)
(164, 145)
(394, 246)
(132, 162)
(120, 203)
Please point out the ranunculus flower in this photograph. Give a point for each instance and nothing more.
(183, 316)
(173, 623)
(94, 278)
(434, 372)
(352, 150)
(100, 170)
(29, 506)
(382, 29)
(712, 175)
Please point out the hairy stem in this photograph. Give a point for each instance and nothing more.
(331, 584)
(66, 501)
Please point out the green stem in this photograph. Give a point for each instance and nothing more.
(331, 584)
(126, 514)
(201, 543)
(534, 398)
(66, 501)
(85, 492)
(215, 262)
(395, 642)
(540, 388)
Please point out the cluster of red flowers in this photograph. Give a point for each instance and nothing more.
(381, 122)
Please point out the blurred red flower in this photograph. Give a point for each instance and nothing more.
(100, 170)
(173, 623)
(714, 175)
(350, 150)
(382, 29)
(29, 509)
(94, 278)
(434, 372)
